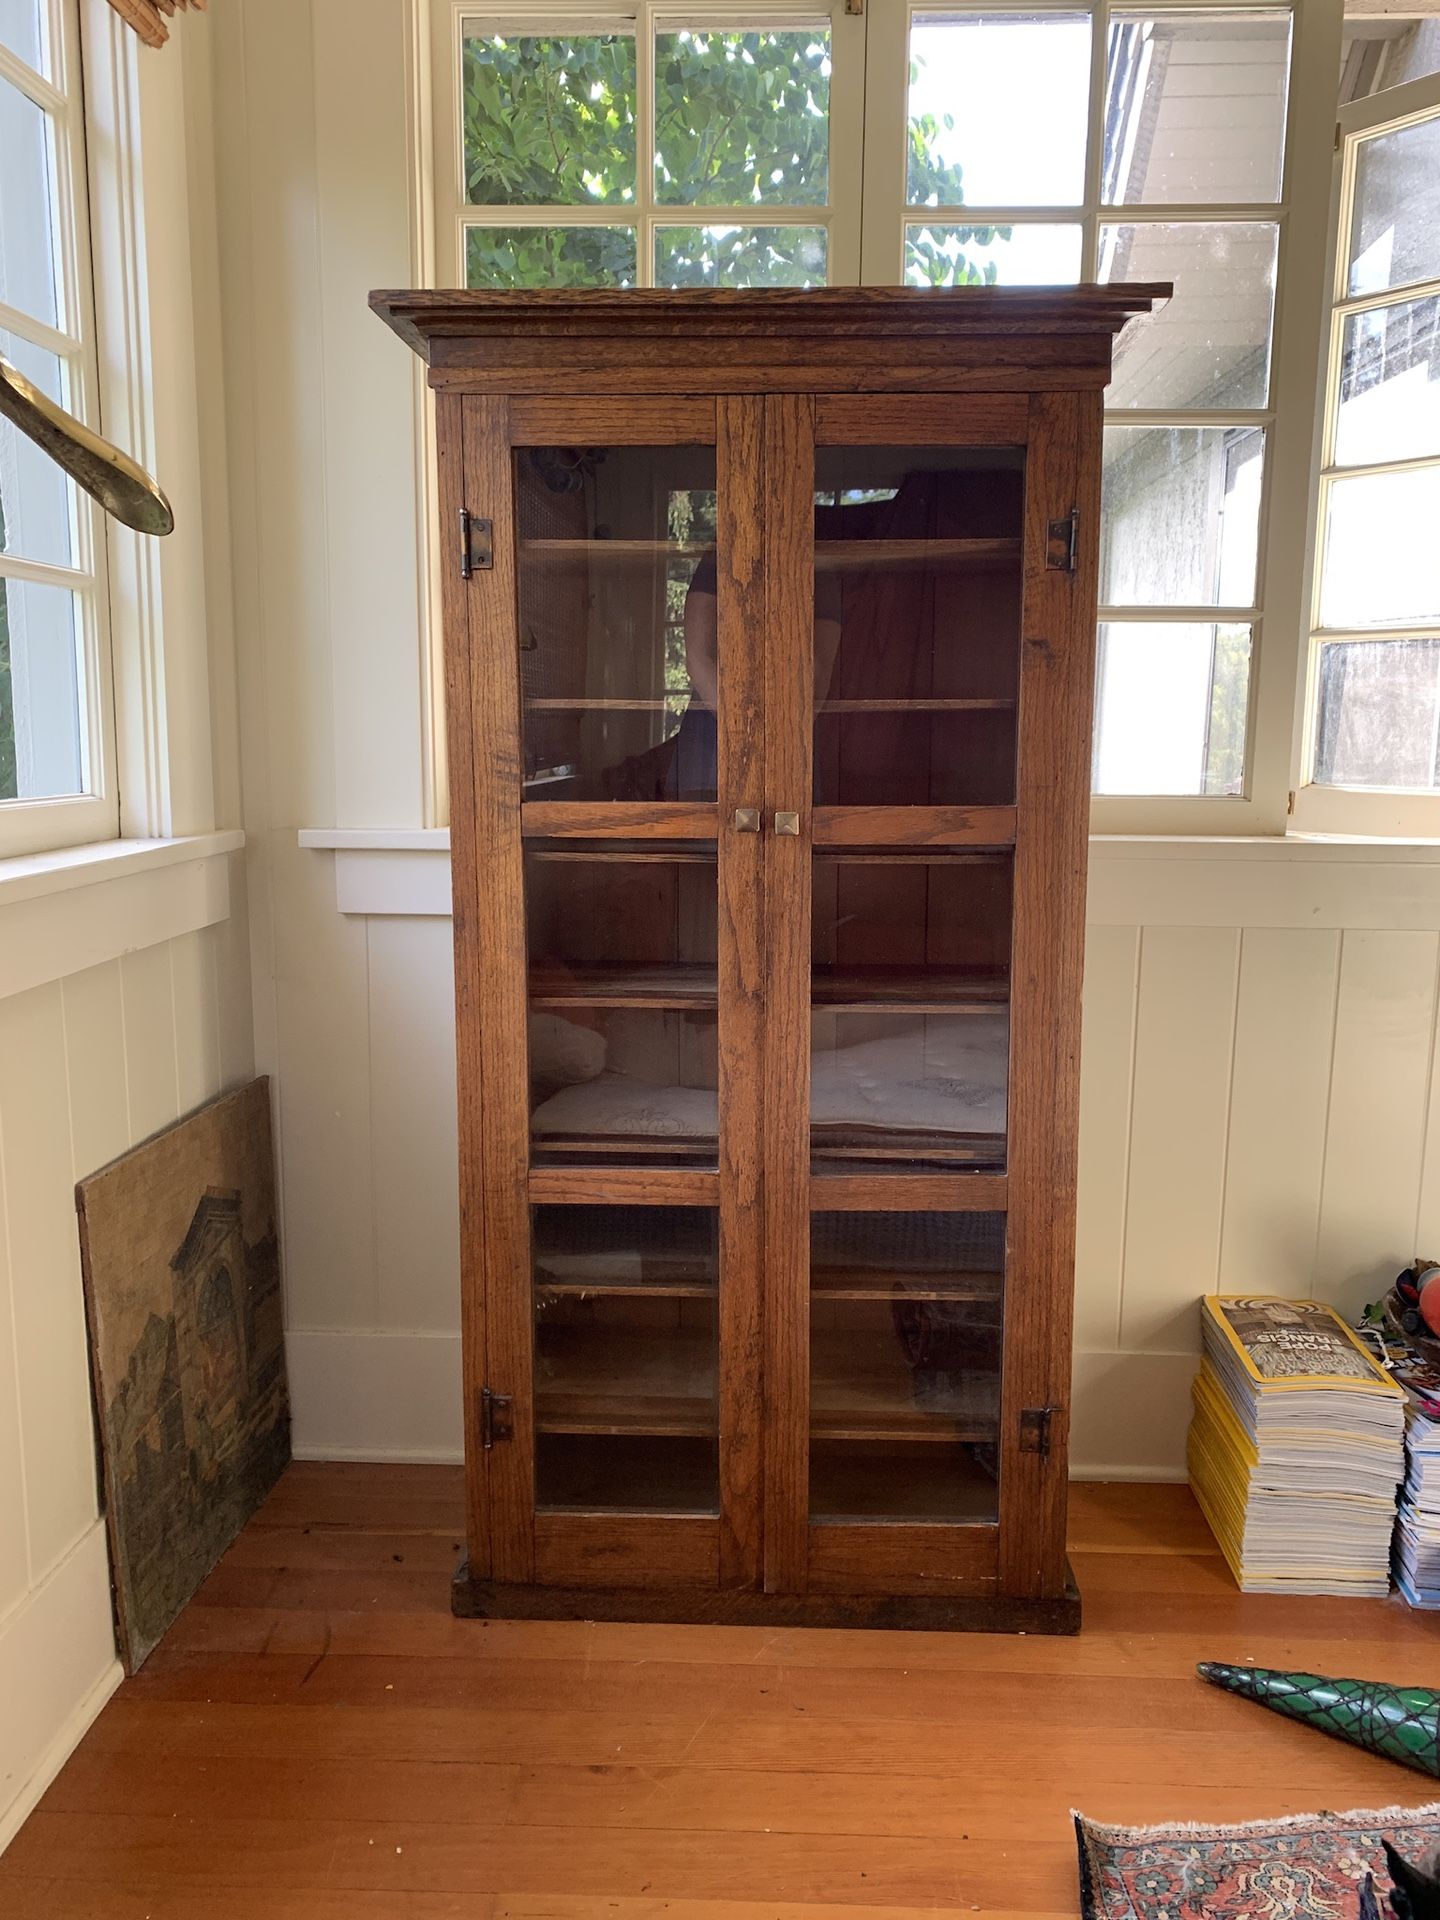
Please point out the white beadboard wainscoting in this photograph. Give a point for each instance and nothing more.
(1258, 1081)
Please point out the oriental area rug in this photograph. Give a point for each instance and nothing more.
(1312, 1867)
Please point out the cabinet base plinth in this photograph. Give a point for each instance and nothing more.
(474, 1599)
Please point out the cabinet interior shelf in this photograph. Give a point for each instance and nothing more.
(884, 1283)
(935, 990)
(611, 1383)
(830, 555)
(675, 702)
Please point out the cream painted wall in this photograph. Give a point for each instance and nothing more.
(1259, 1017)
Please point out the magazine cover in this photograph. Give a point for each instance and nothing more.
(1283, 1344)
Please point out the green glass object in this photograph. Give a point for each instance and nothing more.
(1402, 1723)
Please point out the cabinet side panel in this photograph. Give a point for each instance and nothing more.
(1053, 790)
(493, 962)
(740, 482)
(789, 723)
(468, 1013)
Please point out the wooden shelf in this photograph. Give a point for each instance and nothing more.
(545, 704)
(915, 706)
(618, 549)
(691, 987)
(861, 1389)
(837, 556)
(673, 985)
(677, 1284)
(888, 1283)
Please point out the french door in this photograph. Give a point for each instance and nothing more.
(775, 713)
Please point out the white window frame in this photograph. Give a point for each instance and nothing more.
(1382, 812)
(874, 238)
(42, 825)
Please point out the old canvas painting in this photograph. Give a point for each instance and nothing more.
(182, 1290)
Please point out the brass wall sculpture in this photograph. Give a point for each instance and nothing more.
(122, 487)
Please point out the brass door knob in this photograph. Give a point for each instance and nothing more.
(787, 823)
(747, 819)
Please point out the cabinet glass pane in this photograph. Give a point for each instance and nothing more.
(626, 1352)
(998, 108)
(1196, 107)
(906, 1312)
(742, 117)
(1210, 345)
(1394, 232)
(617, 621)
(623, 1016)
(917, 625)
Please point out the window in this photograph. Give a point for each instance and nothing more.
(55, 735)
(1374, 711)
(1006, 144)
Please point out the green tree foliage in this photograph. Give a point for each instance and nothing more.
(742, 118)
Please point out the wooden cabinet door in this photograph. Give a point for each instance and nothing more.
(928, 694)
(604, 697)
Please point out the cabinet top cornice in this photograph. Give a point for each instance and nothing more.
(447, 328)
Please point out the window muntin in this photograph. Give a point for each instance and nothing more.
(1375, 638)
(55, 727)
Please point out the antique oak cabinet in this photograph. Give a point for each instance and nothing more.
(769, 641)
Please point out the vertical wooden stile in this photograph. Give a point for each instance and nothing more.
(497, 1227)
(740, 487)
(789, 722)
(460, 748)
(1057, 668)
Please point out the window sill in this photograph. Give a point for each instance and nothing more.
(63, 912)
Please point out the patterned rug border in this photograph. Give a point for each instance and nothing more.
(1088, 1831)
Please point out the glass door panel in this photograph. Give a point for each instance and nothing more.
(917, 623)
(626, 1358)
(906, 1313)
(617, 622)
(623, 1003)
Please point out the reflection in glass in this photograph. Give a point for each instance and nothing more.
(1382, 559)
(914, 930)
(1195, 107)
(1172, 703)
(1395, 227)
(615, 1251)
(622, 993)
(549, 119)
(618, 619)
(510, 258)
(1180, 524)
(917, 624)
(37, 502)
(1390, 383)
(905, 1347)
(1018, 255)
(1210, 345)
(742, 118)
(42, 753)
(740, 256)
(998, 109)
(27, 200)
(1378, 723)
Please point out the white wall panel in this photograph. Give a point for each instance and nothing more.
(1279, 1100)
(1107, 1060)
(14, 1548)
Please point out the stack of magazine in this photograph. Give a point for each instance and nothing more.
(1417, 1525)
(1296, 1447)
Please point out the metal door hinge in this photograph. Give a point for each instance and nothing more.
(495, 1419)
(1035, 1424)
(1062, 542)
(477, 545)
(1290, 801)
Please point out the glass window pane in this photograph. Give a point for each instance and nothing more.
(27, 202)
(1180, 522)
(549, 120)
(1378, 723)
(998, 109)
(1389, 384)
(1382, 559)
(1011, 256)
(742, 118)
(1210, 345)
(740, 256)
(1195, 107)
(1172, 703)
(1395, 226)
(22, 30)
(41, 752)
(507, 257)
(37, 502)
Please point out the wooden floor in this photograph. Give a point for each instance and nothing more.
(318, 1739)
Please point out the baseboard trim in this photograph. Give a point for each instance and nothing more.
(59, 1750)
